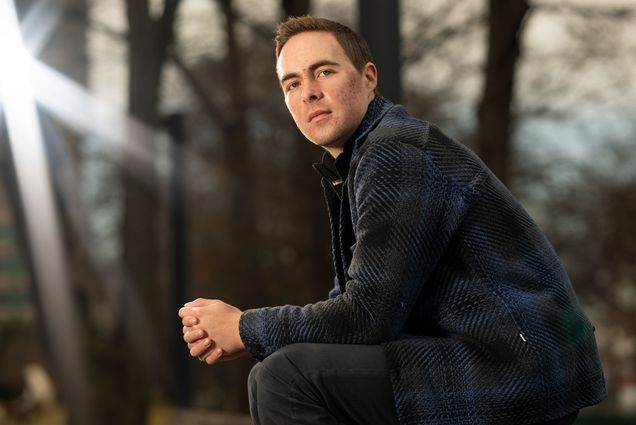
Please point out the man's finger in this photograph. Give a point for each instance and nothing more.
(187, 311)
(193, 335)
(187, 329)
(214, 357)
(199, 347)
(207, 352)
(189, 321)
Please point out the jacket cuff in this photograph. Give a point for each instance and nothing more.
(253, 333)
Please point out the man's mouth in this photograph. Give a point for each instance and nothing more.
(317, 114)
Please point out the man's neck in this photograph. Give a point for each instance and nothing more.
(334, 152)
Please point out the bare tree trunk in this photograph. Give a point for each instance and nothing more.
(379, 23)
(148, 42)
(295, 7)
(238, 161)
(149, 39)
(505, 22)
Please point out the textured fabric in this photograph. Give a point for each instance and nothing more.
(566, 420)
(437, 262)
(316, 384)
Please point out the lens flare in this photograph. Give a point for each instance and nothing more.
(45, 245)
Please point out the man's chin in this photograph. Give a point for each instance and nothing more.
(324, 140)
(334, 148)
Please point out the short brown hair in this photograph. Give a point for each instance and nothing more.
(354, 46)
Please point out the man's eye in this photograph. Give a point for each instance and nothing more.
(325, 72)
(292, 86)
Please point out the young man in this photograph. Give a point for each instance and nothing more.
(449, 305)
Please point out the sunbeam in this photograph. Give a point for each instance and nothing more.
(38, 24)
(44, 241)
(26, 86)
(124, 140)
(114, 133)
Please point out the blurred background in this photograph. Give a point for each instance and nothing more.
(147, 158)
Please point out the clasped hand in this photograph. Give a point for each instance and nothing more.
(211, 330)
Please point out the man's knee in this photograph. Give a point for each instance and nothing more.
(252, 379)
(279, 368)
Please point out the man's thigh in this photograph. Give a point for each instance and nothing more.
(351, 382)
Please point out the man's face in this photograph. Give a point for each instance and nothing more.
(325, 94)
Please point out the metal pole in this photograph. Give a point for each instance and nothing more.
(41, 221)
(379, 22)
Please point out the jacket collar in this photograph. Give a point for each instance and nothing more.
(334, 170)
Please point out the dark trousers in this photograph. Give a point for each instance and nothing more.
(327, 384)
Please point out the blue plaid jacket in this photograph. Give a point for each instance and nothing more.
(437, 262)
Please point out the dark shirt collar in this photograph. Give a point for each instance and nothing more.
(335, 170)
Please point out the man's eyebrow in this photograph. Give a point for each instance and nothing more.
(312, 68)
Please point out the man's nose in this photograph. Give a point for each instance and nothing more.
(311, 91)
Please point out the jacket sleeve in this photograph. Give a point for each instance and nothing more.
(405, 213)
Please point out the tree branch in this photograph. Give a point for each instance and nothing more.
(622, 13)
(198, 88)
(166, 23)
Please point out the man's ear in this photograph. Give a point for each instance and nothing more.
(370, 73)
